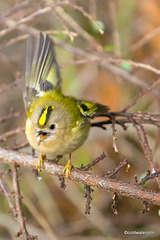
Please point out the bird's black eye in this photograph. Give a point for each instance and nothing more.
(52, 126)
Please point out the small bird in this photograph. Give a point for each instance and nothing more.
(56, 124)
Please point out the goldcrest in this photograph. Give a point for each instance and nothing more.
(56, 124)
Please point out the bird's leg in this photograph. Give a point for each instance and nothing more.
(68, 167)
(40, 161)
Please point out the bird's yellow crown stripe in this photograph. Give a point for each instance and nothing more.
(44, 116)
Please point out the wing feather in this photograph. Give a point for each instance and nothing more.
(42, 71)
(91, 110)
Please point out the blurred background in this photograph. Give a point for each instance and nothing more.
(131, 31)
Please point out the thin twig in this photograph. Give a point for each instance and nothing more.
(23, 230)
(148, 176)
(148, 150)
(18, 7)
(81, 9)
(103, 62)
(143, 41)
(115, 34)
(11, 133)
(114, 204)
(41, 219)
(76, 26)
(123, 118)
(5, 61)
(5, 87)
(21, 145)
(39, 12)
(134, 64)
(25, 36)
(142, 94)
(7, 195)
(13, 41)
(93, 163)
(88, 197)
(145, 207)
(32, 16)
(18, 200)
(9, 116)
(114, 136)
(59, 17)
(116, 61)
(111, 174)
(62, 182)
(143, 141)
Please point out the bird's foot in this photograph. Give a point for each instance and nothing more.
(67, 169)
(40, 162)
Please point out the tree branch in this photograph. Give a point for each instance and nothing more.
(100, 182)
(7, 195)
(23, 231)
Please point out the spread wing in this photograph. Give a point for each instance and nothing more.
(42, 72)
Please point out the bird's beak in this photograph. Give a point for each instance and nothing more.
(42, 137)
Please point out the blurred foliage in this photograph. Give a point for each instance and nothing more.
(101, 25)
(51, 212)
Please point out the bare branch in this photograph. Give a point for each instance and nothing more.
(100, 182)
(88, 197)
(114, 136)
(23, 230)
(111, 174)
(11, 133)
(9, 116)
(7, 195)
(142, 138)
(21, 145)
(76, 26)
(25, 36)
(135, 64)
(32, 16)
(59, 17)
(116, 61)
(145, 207)
(142, 94)
(97, 160)
(18, 7)
(143, 41)
(4, 88)
(80, 9)
(114, 204)
(146, 178)
(122, 118)
(115, 33)
(105, 63)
